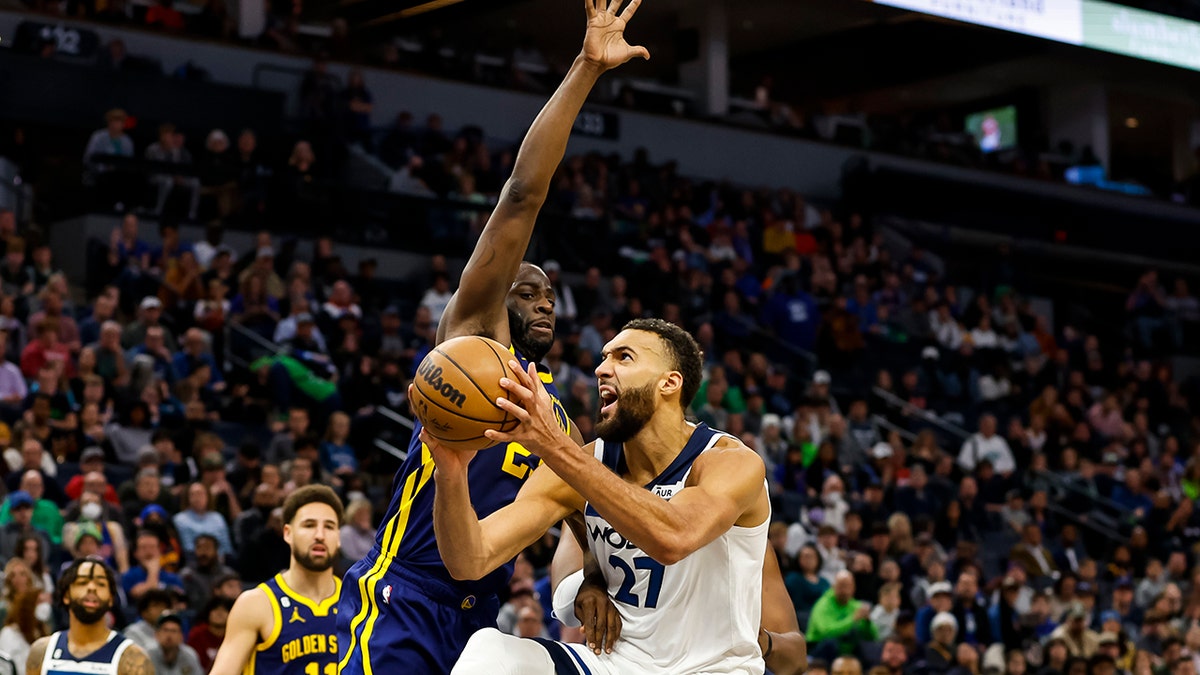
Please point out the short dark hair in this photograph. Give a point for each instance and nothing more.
(153, 596)
(208, 537)
(215, 602)
(312, 494)
(684, 351)
(69, 575)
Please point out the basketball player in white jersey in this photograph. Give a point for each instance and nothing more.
(676, 515)
(88, 646)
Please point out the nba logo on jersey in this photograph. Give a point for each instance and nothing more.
(387, 594)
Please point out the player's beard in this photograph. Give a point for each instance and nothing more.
(533, 349)
(635, 407)
(311, 564)
(89, 616)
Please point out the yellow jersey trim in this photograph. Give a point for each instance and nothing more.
(318, 608)
(276, 618)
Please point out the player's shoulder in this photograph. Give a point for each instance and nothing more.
(730, 453)
(253, 606)
(37, 654)
(135, 661)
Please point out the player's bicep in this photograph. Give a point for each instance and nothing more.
(250, 613)
(728, 491)
(135, 662)
(544, 500)
(778, 613)
(478, 305)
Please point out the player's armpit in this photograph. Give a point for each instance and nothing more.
(788, 647)
(243, 630)
(37, 654)
(135, 662)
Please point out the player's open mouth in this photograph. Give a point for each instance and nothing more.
(90, 603)
(608, 398)
(318, 550)
(542, 327)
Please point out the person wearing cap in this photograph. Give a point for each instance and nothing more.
(291, 325)
(1128, 614)
(170, 655)
(1119, 650)
(150, 311)
(20, 512)
(940, 651)
(1081, 640)
(941, 601)
(91, 460)
(47, 517)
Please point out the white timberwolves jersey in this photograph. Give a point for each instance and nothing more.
(700, 615)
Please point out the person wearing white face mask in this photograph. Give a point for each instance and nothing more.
(28, 619)
(113, 547)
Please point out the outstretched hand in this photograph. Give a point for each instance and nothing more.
(604, 44)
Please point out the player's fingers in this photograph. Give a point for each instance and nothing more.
(630, 10)
(499, 436)
(516, 389)
(612, 630)
(640, 51)
(513, 409)
(613, 5)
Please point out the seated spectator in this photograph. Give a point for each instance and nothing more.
(986, 444)
(19, 525)
(46, 348)
(196, 354)
(169, 655)
(52, 308)
(149, 607)
(26, 623)
(358, 534)
(1031, 555)
(338, 458)
(91, 461)
(150, 313)
(33, 549)
(161, 13)
(113, 547)
(199, 577)
(208, 632)
(940, 653)
(838, 622)
(44, 515)
(1081, 641)
(148, 573)
(806, 585)
(197, 519)
(883, 615)
(111, 140)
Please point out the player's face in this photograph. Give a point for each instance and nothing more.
(314, 537)
(530, 305)
(629, 376)
(89, 597)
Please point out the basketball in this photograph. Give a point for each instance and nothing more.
(455, 392)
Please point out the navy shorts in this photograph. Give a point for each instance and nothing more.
(392, 620)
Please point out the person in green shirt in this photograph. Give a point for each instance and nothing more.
(46, 516)
(838, 622)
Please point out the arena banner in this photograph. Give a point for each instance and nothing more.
(1096, 24)
(1141, 34)
(1059, 20)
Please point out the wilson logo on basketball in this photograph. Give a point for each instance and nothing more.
(433, 377)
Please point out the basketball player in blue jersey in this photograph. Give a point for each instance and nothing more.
(87, 647)
(676, 516)
(288, 624)
(401, 611)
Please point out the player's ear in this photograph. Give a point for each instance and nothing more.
(672, 383)
(287, 533)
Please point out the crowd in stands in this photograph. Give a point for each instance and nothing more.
(1057, 535)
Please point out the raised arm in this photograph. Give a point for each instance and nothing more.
(472, 548)
(249, 615)
(478, 308)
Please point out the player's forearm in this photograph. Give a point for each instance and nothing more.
(546, 142)
(639, 515)
(458, 533)
(788, 655)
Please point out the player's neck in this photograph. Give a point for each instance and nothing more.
(87, 634)
(313, 585)
(652, 450)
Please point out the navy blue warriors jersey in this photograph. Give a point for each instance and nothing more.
(392, 595)
(104, 661)
(303, 639)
